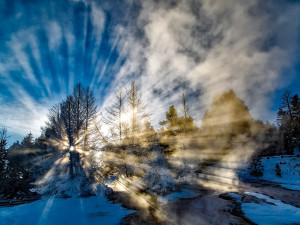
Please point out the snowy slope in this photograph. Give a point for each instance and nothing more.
(290, 171)
(56, 211)
(271, 212)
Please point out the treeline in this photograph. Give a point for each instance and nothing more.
(80, 143)
(15, 163)
(288, 119)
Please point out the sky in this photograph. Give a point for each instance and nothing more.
(204, 47)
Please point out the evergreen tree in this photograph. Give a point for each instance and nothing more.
(171, 127)
(23, 156)
(27, 141)
(15, 176)
(226, 125)
(288, 122)
(228, 115)
(3, 152)
(172, 123)
(278, 170)
(265, 137)
(149, 133)
(15, 145)
(257, 169)
(175, 125)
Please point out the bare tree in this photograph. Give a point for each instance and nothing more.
(90, 114)
(184, 105)
(287, 123)
(114, 116)
(67, 113)
(286, 103)
(185, 111)
(136, 109)
(186, 121)
(54, 123)
(78, 96)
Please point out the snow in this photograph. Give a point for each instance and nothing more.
(75, 211)
(235, 196)
(157, 179)
(290, 171)
(295, 187)
(177, 195)
(273, 212)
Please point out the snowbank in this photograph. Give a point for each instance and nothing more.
(177, 195)
(271, 212)
(287, 173)
(56, 211)
(157, 179)
(234, 196)
(290, 171)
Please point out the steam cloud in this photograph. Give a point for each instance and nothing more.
(204, 47)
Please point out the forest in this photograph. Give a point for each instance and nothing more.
(81, 150)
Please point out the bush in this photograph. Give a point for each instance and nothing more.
(157, 179)
(257, 168)
(278, 170)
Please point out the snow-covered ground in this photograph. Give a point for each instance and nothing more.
(289, 167)
(56, 211)
(271, 211)
(290, 171)
(177, 195)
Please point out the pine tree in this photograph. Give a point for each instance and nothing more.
(27, 141)
(149, 133)
(172, 122)
(257, 168)
(265, 137)
(16, 178)
(278, 170)
(228, 115)
(171, 127)
(15, 145)
(3, 152)
(226, 126)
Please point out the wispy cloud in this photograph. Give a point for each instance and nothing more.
(202, 46)
(210, 47)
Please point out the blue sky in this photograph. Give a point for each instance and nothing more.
(204, 47)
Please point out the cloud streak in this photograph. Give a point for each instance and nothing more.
(213, 46)
(202, 46)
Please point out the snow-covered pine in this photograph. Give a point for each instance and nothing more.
(157, 179)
